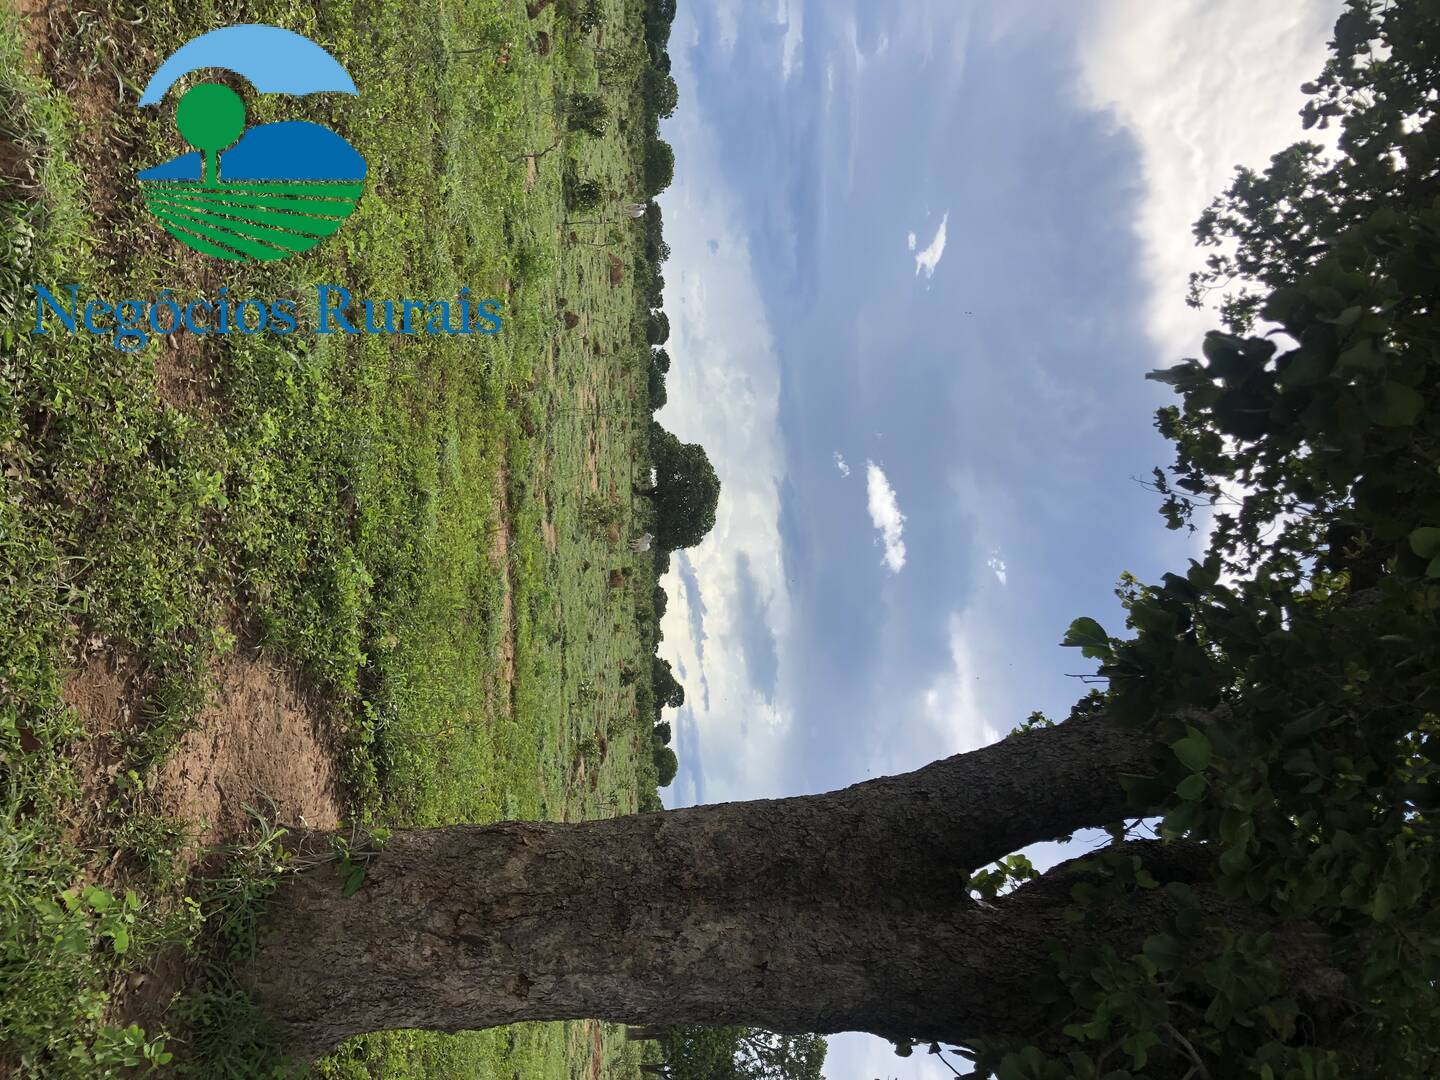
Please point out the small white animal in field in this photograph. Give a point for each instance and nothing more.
(636, 210)
(641, 543)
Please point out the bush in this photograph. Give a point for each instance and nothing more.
(588, 114)
(583, 195)
(586, 16)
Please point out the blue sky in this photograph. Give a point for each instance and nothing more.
(923, 254)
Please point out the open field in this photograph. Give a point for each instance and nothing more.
(373, 580)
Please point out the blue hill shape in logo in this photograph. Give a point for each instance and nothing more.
(281, 188)
(289, 150)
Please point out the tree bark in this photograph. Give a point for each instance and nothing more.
(835, 912)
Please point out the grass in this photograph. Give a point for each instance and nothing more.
(338, 500)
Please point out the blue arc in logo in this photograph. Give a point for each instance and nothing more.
(275, 60)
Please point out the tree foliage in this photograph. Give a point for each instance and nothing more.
(741, 1053)
(687, 490)
(588, 114)
(662, 733)
(655, 387)
(662, 96)
(1290, 679)
(659, 14)
(666, 765)
(659, 168)
(582, 196)
(668, 691)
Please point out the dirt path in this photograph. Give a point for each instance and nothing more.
(500, 560)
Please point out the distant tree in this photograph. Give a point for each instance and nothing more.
(658, 397)
(741, 1053)
(659, 167)
(659, 330)
(662, 733)
(668, 690)
(686, 491)
(659, 15)
(662, 95)
(589, 114)
(661, 360)
(666, 765)
(654, 286)
(662, 602)
(649, 802)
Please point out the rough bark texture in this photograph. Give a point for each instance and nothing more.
(835, 912)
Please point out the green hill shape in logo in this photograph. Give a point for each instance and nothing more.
(251, 218)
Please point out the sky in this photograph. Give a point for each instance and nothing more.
(922, 256)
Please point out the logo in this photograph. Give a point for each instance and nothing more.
(264, 193)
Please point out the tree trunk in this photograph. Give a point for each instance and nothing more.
(836, 912)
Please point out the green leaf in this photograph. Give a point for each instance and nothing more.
(1304, 367)
(1393, 404)
(1235, 859)
(1193, 750)
(1361, 357)
(354, 881)
(1384, 903)
(1183, 894)
(1425, 542)
(121, 937)
(1180, 820)
(98, 899)
(1089, 637)
(1347, 318)
(1163, 951)
(1192, 787)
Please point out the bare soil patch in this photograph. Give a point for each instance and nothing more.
(263, 739)
(102, 693)
(184, 376)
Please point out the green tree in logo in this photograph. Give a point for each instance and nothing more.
(210, 118)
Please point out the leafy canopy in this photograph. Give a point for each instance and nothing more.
(1291, 677)
(687, 490)
(740, 1053)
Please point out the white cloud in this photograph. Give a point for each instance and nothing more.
(842, 464)
(792, 18)
(1202, 87)
(885, 513)
(929, 259)
(910, 240)
(951, 705)
(998, 568)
